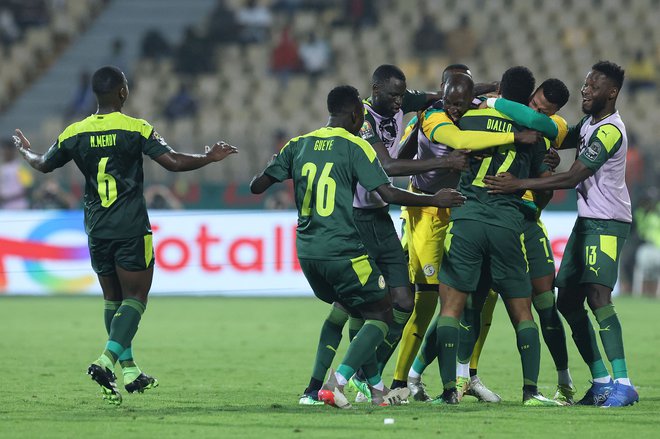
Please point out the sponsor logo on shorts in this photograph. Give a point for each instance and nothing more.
(429, 270)
(381, 282)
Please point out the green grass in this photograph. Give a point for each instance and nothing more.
(235, 368)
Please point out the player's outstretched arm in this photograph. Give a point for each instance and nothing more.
(442, 198)
(525, 116)
(506, 183)
(34, 159)
(180, 162)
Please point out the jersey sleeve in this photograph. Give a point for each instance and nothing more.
(366, 166)
(413, 100)
(562, 130)
(153, 143)
(527, 117)
(280, 168)
(603, 144)
(572, 136)
(368, 130)
(441, 129)
(57, 155)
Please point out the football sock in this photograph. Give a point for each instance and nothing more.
(123, 327)
(389, 344)
(529, 346)
(585, 340)
(552, 328)
(362, 347)
(468, 331)
(314, 385)
(328, 342)
(354, 326)
(413, 332)
(612, 338)
(462, 369)
(129, 369)
(446, 344)
(486, 319)
(427, 352)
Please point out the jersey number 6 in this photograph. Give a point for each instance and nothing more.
(107, 185)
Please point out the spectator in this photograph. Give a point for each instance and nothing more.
(223, 27)
(428, 39)
(83, 103)
(359, 13)
(155, 46)
(194, 54)
(255, 21)
(462, 42)
(641, 73)
(15, 179)
(9, 30)
(315, 55)
(117, 57)
(182, 104)
(158, 196)
(49, 195)
(285, 58)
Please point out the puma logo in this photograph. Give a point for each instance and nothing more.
(416, 335)
(467, 328)
(331, 348)
(595, 270)
(605, 329)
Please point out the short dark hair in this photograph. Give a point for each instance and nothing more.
(612, 71)
(555, 91)
(385, 72)
(343, 99)
(107, 79)
(453, 67)
(517, 84)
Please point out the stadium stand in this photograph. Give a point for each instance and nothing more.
(241, 102)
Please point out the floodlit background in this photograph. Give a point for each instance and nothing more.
(255, 73)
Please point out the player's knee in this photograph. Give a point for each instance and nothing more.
(403, 298)
(598, 296)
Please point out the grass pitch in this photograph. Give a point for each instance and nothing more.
(235, 368)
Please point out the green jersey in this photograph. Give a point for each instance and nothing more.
(108, 148)
(522, 161)
(325, 166)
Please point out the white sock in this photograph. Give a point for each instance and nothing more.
(463, 370)
(379, 386)
(414, 375)
(340, 379)
(564, 378)
(603, 380)
(624, 381)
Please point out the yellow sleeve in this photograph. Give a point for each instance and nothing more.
(562, 127)
(440, 129)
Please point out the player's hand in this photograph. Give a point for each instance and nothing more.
(457, 160)
(20, 141)
(527, 137)
(448, 198)
(503, 183)
(220, 151)
(552, 159)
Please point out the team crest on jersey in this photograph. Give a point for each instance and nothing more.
(593, 150)
(429, 270)
(367, 130)
(381, 282)
(157, 137)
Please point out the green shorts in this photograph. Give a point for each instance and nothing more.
(470, 244)
(592, 253)
(539, 252)
(382, 243)
(350, 282)
(131, 254)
